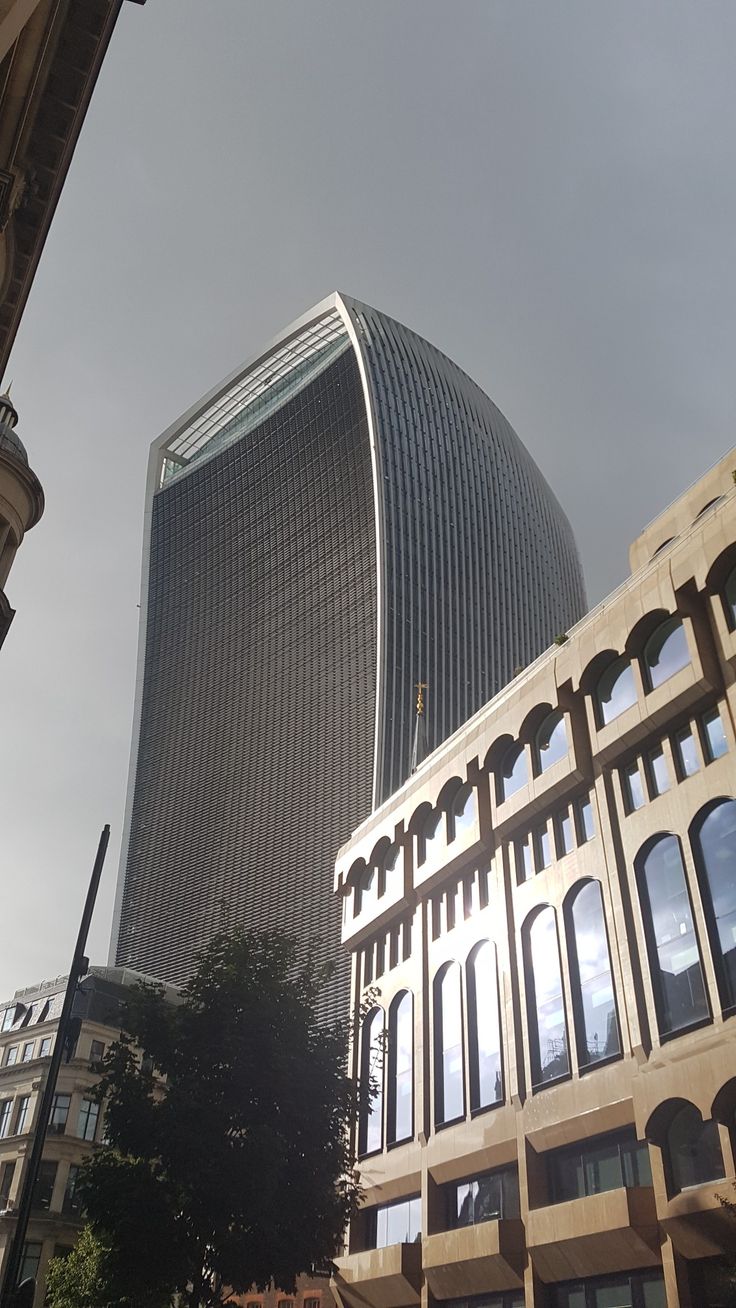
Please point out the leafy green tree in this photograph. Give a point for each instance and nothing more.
(83, 1278)
(229, 1159)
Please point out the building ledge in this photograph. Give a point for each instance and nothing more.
(475, 1259)
(381, 1278)
(610, 1232)
(698, 1224)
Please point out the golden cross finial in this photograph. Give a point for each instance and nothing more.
(421, 687)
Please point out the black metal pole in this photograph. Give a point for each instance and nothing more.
(78, 969)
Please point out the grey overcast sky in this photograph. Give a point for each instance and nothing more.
(547, 191)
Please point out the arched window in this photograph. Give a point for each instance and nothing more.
(616, 691)
(693, 1150)
(663, 546)
(551, 740)
(513, 772)
(714, 846)
(449, 1093)
(593, 1001)
(370, 1133)
(463, 812)
(666, 652)
(710, 505)
(545, 999)
(400, 1125)
(431, 831)
(484, 1027)
(729, 599)
(674, 953)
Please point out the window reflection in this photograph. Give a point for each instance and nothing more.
(714, 843)
(370, 1135)
(401, 1068)
(674, 954)
(594, 1005)
(666, 652)
(551, 741)
(448, 1045)
(693, 1150)
(545, 1000)
(484, 1028)
(616, 691)
(513, 773)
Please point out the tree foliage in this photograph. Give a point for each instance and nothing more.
(84, 1278)
(229, 1164)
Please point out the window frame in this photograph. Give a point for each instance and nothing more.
(652, 945)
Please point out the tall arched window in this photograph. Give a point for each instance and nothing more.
(513, 772)
(550, 741)
(449, 1091)
(674, 953)
(615, 692)
(400, 1124)
(545, 999)
(366, 889)
(729, 599)
(484, 1027)
(463, 812)
(370, 1133)
(714, 846)
(666, 652)
(593, 1001)
(693, 1150)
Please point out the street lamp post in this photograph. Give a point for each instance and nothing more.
(80, 964)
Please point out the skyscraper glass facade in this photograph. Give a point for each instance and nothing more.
(346, 516)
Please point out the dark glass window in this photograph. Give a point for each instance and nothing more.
(666, 652)
(72, 1202)
(513, 773)
(370, 1133)
(625, 1290)
(31, 1259)
(729, 599)
(448, 1045)
(592, 1166)
(399, 1223)
(594, 1004)
(616, 691)
(545, 1000)
(59, 1114)
(96, 1053)
(674, 953)
(89, 1113)
(44, 1187)
(484, 1027)
(400, 1125)
(511, 1299)
(693, 1150)
(463, 812)
(7, 1172)
(714, 845)
(551, 741)
(488, 1198)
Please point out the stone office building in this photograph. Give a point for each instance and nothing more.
(28, 1029)
(543, 923)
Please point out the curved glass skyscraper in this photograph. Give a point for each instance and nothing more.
(344, 517)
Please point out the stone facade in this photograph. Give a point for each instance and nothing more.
(542, 923)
